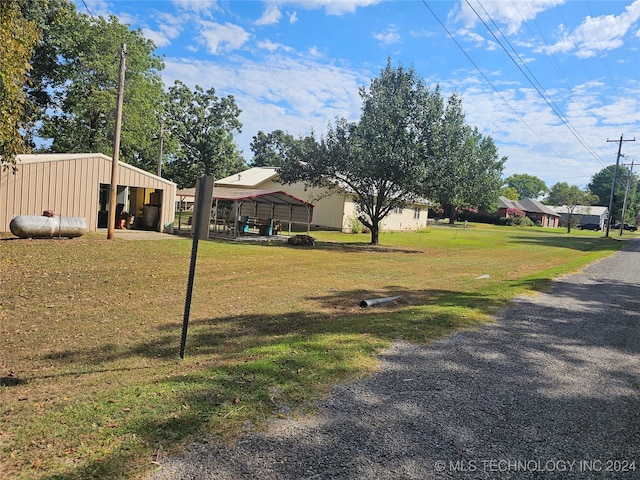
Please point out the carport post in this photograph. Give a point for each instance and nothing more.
(204, 192)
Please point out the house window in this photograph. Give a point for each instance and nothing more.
(397, 210)
(416, 213)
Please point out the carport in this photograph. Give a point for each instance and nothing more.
(240, 211)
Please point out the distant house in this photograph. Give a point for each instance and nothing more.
(542, 215)
(584, 214)
(335, 210)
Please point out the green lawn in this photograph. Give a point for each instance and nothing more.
(92, 385)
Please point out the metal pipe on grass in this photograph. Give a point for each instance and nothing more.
(376, 301)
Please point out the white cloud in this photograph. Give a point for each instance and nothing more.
(169, 28)
(273, 46)
(597, 34)
(221, 38)
(535, 139)
(331, 7)
(389, 36)
(271, 15)
(204, 8)
(510, 14)
(293, 18)
(291, 93)
(157, 37)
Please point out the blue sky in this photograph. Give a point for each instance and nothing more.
(550, 80)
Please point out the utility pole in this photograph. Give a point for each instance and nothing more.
(615, 175)
(116, 147)
(626, 196)
(160, 153)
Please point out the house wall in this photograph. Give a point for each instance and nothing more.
(328, 212)
(70, 185)
(337, 210)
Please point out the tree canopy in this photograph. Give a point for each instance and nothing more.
(405, 148)
(527, 186)
(510, 193)
(81, 115)
(463, 168)
(18, 38)
(203, 125)
(600, 185)
(271, 149)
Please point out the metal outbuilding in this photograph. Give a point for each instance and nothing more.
(77, 185)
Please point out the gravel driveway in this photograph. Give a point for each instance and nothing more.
(551, 391)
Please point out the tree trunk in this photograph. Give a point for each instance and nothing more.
(375, 233)
(452, 214)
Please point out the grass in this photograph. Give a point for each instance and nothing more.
(92, 385)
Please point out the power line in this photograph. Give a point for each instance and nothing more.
(551, 57)
(539, 88)
(492, 85)
(85, 6)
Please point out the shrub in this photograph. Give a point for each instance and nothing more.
(355, 225)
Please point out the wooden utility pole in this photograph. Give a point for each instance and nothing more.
(626, 197)
(116, 148)
(160, 152)
(613, 183)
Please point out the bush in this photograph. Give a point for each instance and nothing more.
(519, 221)
(355, 225)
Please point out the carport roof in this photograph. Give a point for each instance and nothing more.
(239, 194)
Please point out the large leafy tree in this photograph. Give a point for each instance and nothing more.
(379, 158)
(18, 38)
(510, 193)
(84, 84)
(569, 196)
(600, 185)
(203, 126)
(527, 186)
(271, 149)
(463, 167)
(406, 147)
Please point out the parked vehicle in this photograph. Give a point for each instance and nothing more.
(627, 226)
(589, 226)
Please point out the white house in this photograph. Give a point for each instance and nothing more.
(336, 211)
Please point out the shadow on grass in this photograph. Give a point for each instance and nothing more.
(273, 362)
(343, 247)
(583, 244)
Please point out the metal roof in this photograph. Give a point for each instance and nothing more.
(239, 194)
(251, 177)
(527, 205)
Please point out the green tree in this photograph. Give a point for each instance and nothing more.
(463, 167)
(600, 185)
(527, 186)
(569, 196)
(203, 126)
(272, 149)
(48, 16)
(510, 193)
(81, 111)
(18, 38)
(378, 159)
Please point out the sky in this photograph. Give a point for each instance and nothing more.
(555, 83)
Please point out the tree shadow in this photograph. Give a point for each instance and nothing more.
(548, 382)
(342, 247)
(583, 244)
(409, 394)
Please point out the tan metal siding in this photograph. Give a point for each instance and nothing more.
(69, 185)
